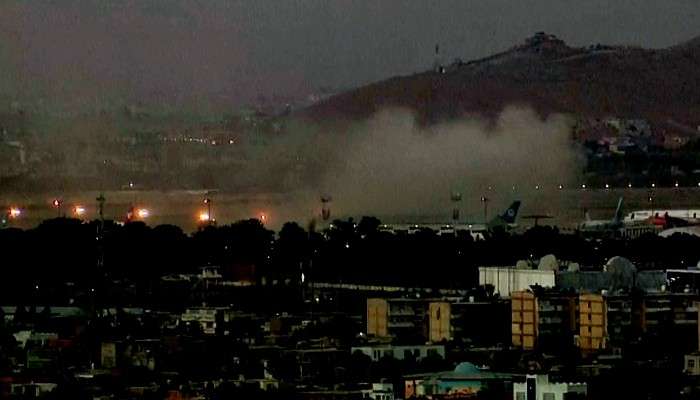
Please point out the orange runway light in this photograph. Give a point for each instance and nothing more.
(143, 213)
(79, 211)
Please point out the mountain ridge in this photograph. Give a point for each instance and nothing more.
(543, 73)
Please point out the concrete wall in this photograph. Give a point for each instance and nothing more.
(509, 280)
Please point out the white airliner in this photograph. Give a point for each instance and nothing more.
(477, 230)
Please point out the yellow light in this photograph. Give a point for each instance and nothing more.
(79, 210)
(142, 213)
(203, 217)
(15, 212)
(263, 217)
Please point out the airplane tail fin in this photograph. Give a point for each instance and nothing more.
(511, 213)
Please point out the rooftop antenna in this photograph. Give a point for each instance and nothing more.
(485, 200)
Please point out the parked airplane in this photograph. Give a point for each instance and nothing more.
(603, 225)
(504, 221)
(666, 218)
(618, 226)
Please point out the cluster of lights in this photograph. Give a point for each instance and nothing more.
(78, 211)
(14, 212)
(606, 186)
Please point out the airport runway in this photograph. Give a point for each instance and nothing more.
(183, 207)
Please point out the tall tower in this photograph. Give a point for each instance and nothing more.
(325, 207)
(437, 63)
(456, 198)
(100, 231)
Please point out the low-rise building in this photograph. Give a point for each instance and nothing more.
(691, 364)
(480, 323)
(538, 387)
(399, 318)
(464, 381)
(417, 352)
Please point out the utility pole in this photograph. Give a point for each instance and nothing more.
(210, 217)
(456, 197)
(100, 230)
(485, 200)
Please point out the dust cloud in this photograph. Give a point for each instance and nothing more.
(392, 167)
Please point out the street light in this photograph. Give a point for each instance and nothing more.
(208, 202)
(485, 200)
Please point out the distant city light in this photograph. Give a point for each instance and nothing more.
(56, 203)
(561, 187)
(629, 185)
(79, 211)
(537, 187)
(653, 185)
(263, 217)
(583, 186)
(607, 186)
(204, 216)
(676, 185)
(15, 212)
